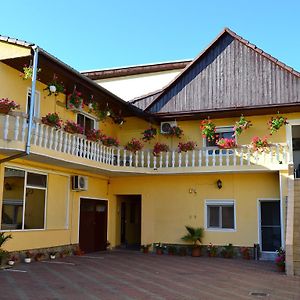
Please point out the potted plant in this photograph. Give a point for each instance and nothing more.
(39, 256)
(160, 147)
(228, 251)
(95, 135)
(225, 143)
(259, 144)
(73, 127)
(7, 106)
(65, 252)
(75, 101)
(280, 260)
(175, 131)
(55, 87)
(53, 120)
(245, 251)
(159, 247)
(134, 145)
(149, 134)
(28, 256)
(171, 250)
(78, 251)
(52, 255)
(12, 260)
(241, 125)
(188, 146)
(110, 141)
(145, 248)
(212, 250)
(28, 72)
(275, 123)
(3, 253)
(194, 235)
(208, 129)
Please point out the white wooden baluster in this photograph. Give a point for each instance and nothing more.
(118, 157)
(65, 142)
(284, 150)
(84, 143)
(97, 145)
(186, 159)
(104, 154)
(227, 157)
(101, 153)
(17, 125)
(136, 159)
(73, 144)
(46, 136)
(130, 159)
(200, 158)
(142, 159)
(241, 156)
(277, 153)
(81, 147)
(167, 160)
(56, 139)
(214, 157)
(124, 161)
(91, 156)
(221, 157)
(51, 137)
(193, 158)
(173, 159)
(112, 156)
(179, 159)
(154, 162)
(148, 159)
(206, 157)
(248, 156)
(6, 127)
(24, 126)
(60, 142)
(161, 159)
(234, 156)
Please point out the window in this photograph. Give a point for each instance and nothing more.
(36, 110)
(220, 215)
(24, 195)
(87, 123)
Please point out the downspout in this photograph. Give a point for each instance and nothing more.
(31, 111)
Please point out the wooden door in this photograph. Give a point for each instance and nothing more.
(93, 225)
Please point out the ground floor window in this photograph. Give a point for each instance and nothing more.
(220, 215)
(24, 196)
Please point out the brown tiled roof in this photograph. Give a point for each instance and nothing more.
(240, 39)
(135, 70)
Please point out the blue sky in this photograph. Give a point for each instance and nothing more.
(93, 34)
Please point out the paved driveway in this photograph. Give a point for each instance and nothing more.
(133, 275)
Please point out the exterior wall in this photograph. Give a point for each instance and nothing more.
(130, 87)
(167, 205)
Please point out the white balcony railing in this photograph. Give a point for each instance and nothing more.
(14, 128)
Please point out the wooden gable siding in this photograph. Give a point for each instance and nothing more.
(230, 75)
(144, 101)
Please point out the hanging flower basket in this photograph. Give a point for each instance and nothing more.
(134, 145)
(175, 131)
(149, 134)
(225, 143)
(241, 125)
(208, 130)
(276, 123)
(188, 146)
(7, 106)
(28, 72)
(160, 147)
(55, 87)
(53, 120)
(75, 101)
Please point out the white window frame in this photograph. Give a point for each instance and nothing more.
(219, 129)
(219, 202)
(96, 123)
(37, 103)
(24, 199)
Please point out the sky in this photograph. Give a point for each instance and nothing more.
(96, 34)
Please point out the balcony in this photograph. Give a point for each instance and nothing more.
(58, 147)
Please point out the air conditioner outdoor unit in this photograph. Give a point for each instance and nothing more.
(166, 126)
(79, 183)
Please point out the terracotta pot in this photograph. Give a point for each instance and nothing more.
(196, 252)
(4, 110)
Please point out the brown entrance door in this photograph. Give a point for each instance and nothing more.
(93, 225)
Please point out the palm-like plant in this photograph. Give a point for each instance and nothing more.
(4, 238)
(194, 234)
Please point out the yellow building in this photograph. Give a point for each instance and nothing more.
(60, 186)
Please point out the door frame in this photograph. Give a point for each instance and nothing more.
(78, 218)
(259, 200)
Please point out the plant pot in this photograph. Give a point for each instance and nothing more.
(52, 88)
(4, 110)
(196, 252)
(159, 252)
(11, 262)
(27, 260)
(52, 256)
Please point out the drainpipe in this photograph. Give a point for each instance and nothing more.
(31, 111)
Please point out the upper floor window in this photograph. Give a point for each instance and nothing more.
(86, 122)
(24, 196)
(36, 109)
(221, 132)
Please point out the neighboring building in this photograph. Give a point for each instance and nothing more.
(237, 195)
(132, 82)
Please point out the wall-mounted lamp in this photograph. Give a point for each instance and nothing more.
(219, 184)
(191, 191)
